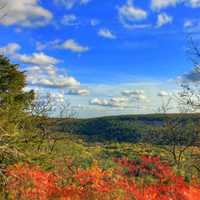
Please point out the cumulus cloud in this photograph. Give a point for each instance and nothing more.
(132, 93)
(57, 97)
(94, 22)
(128, 99)
(138, 26)
(141, 98)
(160, 4)
(113, 102)
(69, 44)
(129, 14)
(37, 59)
(194, 3)
(99, 102)
(73, 46)
(192, 26)
(135, 95)
(50, 76)
(24, 13)
(69, 20)
(10, 49)
(106, 33)
(78, 91)
(163, 94)
(188, 23)
(35, 70)
(52, 44)
(44, 76)
(41, 70)
(34, 59)
(120, 101)
(69, 4)
(163, 19)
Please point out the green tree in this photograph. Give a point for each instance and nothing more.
(14, 104)
(14, 101)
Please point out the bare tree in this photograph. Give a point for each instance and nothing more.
(165, 106)
(189, 95)
(176, 135)
(47, 114)
(66, 110)
(182, 133)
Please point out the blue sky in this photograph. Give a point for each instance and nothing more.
(105, 57)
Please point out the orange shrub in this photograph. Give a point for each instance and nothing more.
(27, 182)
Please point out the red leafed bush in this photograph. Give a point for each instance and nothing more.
(26, 182)
(146, 165)
(31, 183)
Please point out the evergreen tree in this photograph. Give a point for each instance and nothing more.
(14, 101)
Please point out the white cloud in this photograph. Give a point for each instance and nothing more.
(129, 93)
(52, 44)
(69, 44)
(106, 33)
(35, 70)
(10, 49)
(79, 91)
(113, 102)
(120, 101)
(50, 77)
(99, 102)
(137, 26)
(69, 20)
(194, 3)
(135, 95)
(129, 14)
(192, 26)
(163, 19)
(188, 23)
(141, 98)
(34, 59)
(69, 4)
(42, 72)
(163, 94)
(24, 13)
(37, 59)
(57, 97)
(160, 4)
(94, 22)
(73, 46)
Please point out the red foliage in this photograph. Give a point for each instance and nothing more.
(31, 182)
(28, 182)
(147, 165)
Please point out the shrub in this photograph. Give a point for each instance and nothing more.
(30, 182)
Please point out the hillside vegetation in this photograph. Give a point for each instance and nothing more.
(139, 157)
(124, 128)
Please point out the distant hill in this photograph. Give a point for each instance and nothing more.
(123, 128)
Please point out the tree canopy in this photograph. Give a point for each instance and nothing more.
(12, 84)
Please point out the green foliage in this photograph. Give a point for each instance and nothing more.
(12, 83)
(14, 103)
(137, 128)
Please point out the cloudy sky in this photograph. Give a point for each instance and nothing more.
(105, 57)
